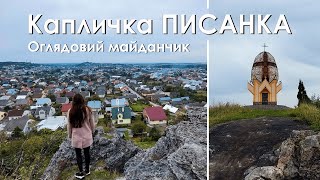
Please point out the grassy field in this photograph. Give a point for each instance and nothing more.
(138, 106)
(230, 112)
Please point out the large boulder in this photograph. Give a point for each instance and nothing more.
(180, 154)
(239, 145)
(115, 152)
(299, 157)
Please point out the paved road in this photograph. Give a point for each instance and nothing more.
(153, 104)
(139, 96)
(134, 92)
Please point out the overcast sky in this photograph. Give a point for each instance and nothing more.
(297, 55)
(14, 36)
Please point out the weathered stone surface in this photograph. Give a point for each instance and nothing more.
(267, 172)
(236, 146)
(299, 157)
(115, 152)
(180, 154)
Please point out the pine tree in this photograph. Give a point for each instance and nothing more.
(302, 94)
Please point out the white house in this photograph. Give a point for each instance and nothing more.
(53, 123)
(44, 112)
(170, 108)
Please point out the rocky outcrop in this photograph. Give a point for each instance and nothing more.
(298, 158)
(240, 145)
(115, 152)
(180, 154)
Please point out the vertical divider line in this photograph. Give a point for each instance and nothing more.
(208, 96)
(208, 82)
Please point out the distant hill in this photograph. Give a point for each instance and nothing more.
(24, 64)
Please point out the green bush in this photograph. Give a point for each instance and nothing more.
(28, 156)
(138, 127)
(308, 113)
(154, 134)
(17, 132)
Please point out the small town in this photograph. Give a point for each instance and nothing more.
(138, 101)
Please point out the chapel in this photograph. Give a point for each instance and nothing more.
(264, 84)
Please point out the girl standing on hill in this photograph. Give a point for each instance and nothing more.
(80, 130)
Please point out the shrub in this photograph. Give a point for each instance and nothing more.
(154, 134)
(309, 113)
(138, 127)
(17, 132)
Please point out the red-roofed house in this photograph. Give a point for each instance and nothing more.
(65, 108)
(155, 115)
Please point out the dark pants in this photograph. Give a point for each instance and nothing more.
(86, 158)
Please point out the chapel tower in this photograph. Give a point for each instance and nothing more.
(264, 80)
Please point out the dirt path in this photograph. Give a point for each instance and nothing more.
(238, 145)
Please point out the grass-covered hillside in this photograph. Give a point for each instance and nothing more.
(26, 157)
(229, 112)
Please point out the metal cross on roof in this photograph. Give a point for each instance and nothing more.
(264, 47)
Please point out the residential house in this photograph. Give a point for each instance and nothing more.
(69, 94)
(155, 116)
(96, 107)
(85, 94)
(2, 92)
(170, 108)
(156, 97)
(62, 100)
(22, 103)
(164, 100)
(12, 91)
(15, 114)
(176, 101)
(65, 108)
(4, 103)
(44, 112)
(101, 93)
(36, 96)
(53, 123)
(120, 111)
(21, 123)
(6, 97)
(43, 101)
(119, 102)
(21, 97)
(3, 115)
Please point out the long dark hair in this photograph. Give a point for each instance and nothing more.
(78, 111)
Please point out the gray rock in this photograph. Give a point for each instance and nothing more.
(115, 152)
(299, 157)
(180, 154)
(267, 172)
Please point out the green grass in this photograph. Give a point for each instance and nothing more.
(310, 114)
(102, 122)
(28, 150)
(145, 144)
(138, 106)
(230, 112)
